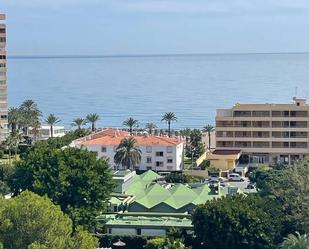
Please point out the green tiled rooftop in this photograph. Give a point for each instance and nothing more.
(148, 221)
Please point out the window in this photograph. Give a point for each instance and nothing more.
(159, 164)
(169, 149)
(169, 160)
(148, 159)
(2, 39)
(2, 31)
(148, 149)
(103, 149)
(159, 153)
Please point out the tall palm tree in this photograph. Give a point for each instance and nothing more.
(208, 128)
(92, 118)
(52, 120)
(14, 118)
(128, 155)
(130, 123)
(296, 241)
(79, 122)
(150, 127)
(169, 117)
(30, 112)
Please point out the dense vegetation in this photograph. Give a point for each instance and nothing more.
(30, 221)
(71, 177)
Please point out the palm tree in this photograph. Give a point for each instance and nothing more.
(79, 122)
(150, 127)
(30, 113)
(169, 117)
(36, 130)
(296, 241)
(52, 120)
(130, 123)
(128, 155)
(12, 142)
(208, 128)
(92, 118)
(14, 118)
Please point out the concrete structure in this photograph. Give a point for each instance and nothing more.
(158, 153)
(225, 160)
(265, 133)
(3, 81)
(44, 132)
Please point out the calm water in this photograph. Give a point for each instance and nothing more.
(145, 87)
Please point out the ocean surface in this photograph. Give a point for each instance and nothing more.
(144, 87)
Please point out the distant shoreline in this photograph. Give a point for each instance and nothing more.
(143, 55)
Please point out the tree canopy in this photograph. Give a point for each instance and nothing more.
(72, 178)
(238, 222)
(30, 221)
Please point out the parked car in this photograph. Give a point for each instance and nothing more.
(211, 182)
(251, 186)
(234, 177)
(215, 178)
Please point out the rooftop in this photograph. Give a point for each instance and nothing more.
(141, 140)
(150, 194)
(226, 152)
(147, 220)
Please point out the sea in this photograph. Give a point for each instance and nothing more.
(146, 86)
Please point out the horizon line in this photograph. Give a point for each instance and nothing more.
(89, 56)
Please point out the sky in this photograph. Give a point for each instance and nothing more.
(124, 27)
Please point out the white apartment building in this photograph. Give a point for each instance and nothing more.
(44, 132)
(157, 153)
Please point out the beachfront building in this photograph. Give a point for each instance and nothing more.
(44, 132)
(157, 153)
(265, 133)
(3, 81)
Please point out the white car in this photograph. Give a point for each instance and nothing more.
(236, 177)
(215, 178)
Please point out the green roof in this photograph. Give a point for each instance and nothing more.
(154, 195)
(149, 176)
(147, 221)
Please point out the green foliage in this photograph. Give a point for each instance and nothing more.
(79, 122)
(30, 218)
(205, 164)
(83, 240)
(92, 118)
(296, 241)
(1, 154)
(132, 242)
(128, 155)
(290, 187)
(175, 177)
(164, 243)
(196, 148)
(36, 245)
(238, 222)
(169, 117)
(130, 123)
(73, 178)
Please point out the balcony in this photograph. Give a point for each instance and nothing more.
(225, 144)
(242, 134)
(224, 134)
(280, 144)
(260, 113)
(242, 124)
(242, 114)
(224, 124)
(241, 144)
(298, 145)
(260, 124)
(261, 144)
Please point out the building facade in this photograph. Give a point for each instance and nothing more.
(3, 81)
(44, 132)
(157, 153)
(265, 133)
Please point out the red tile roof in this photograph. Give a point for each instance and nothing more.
(141, 140)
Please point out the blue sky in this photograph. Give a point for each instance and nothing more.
(107, 27)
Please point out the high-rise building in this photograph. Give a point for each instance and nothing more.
(265, 133)
(3, 81)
